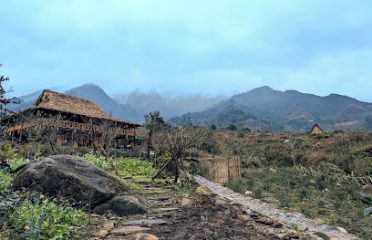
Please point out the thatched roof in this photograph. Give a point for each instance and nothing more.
(316, 130)
(50, 100)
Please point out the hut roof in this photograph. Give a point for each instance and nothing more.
(316, 129)
(51, 100)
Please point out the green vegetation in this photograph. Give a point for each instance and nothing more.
(5, 180)
(317, 176)
(24, 216)
(45, 219)
(124, 166)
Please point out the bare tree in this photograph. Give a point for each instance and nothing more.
(3, 111)
(178, 141)
(154, 123)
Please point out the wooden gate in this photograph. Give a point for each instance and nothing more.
(221, 170)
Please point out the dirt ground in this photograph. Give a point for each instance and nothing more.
(203, 219)
(197, 215)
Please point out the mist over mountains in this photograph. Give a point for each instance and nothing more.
(259, 109)
(268, 109)
(132, 106)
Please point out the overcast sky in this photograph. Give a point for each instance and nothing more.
(191, 46)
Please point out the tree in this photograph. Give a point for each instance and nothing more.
(178, 141)
(3, 110)
(3, 100)
(232, 127)
(153, 123)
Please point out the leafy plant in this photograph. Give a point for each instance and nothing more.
(96, 160)
(46, 219)
(134, 166)
(5, 180)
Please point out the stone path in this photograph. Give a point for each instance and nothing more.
(196, 216)
(138, 227)
(256, 206)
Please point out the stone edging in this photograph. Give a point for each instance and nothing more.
(255, 205)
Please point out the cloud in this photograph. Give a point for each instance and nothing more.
(210, 47)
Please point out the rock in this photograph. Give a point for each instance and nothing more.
(166, 209)
(123, 205)
(221, 202)
(227, 212)
(277, 224)
(129, 230)
(244, 218)
(185, 202)
(145, 236)
(204, 190)
(367, 211)
(248, 193)
(273, 170)
(75, 179)
(341, 229)
(145, 222)
(70, 177)
(109, 225)
(101, 234)
(318, 221)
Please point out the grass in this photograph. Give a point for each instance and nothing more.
(324, 194)
(124, 166)
(311, 175)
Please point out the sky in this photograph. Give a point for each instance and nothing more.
(210, 47)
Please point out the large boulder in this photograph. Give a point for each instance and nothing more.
(72, 178)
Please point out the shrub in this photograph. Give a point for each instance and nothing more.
(30, 150)
(209, 145)
(46, 219)
(7, 151)
(237, 185)
(15, 163)
(363, 167)
(5, 180)
(198, 169)
(98, 161)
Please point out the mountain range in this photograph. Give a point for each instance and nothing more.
(259, 109)
(267, 109)
(132, 106)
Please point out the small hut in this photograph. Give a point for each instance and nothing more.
(73, 120)
(316, 130)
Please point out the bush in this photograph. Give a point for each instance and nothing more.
(46, 219)
(237, 185)
(7, 151)
(198, 169)
(321, 192)
(209, 145)
(98, 161)
(5, 180)
(17, 162)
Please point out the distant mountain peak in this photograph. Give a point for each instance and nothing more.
(263, 88)
(90, 85)
(286, 110)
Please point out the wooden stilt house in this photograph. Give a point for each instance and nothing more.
(68, 120)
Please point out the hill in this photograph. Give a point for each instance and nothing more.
(266, 108)
(89, 92)
(132, 106)
(96, 94)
